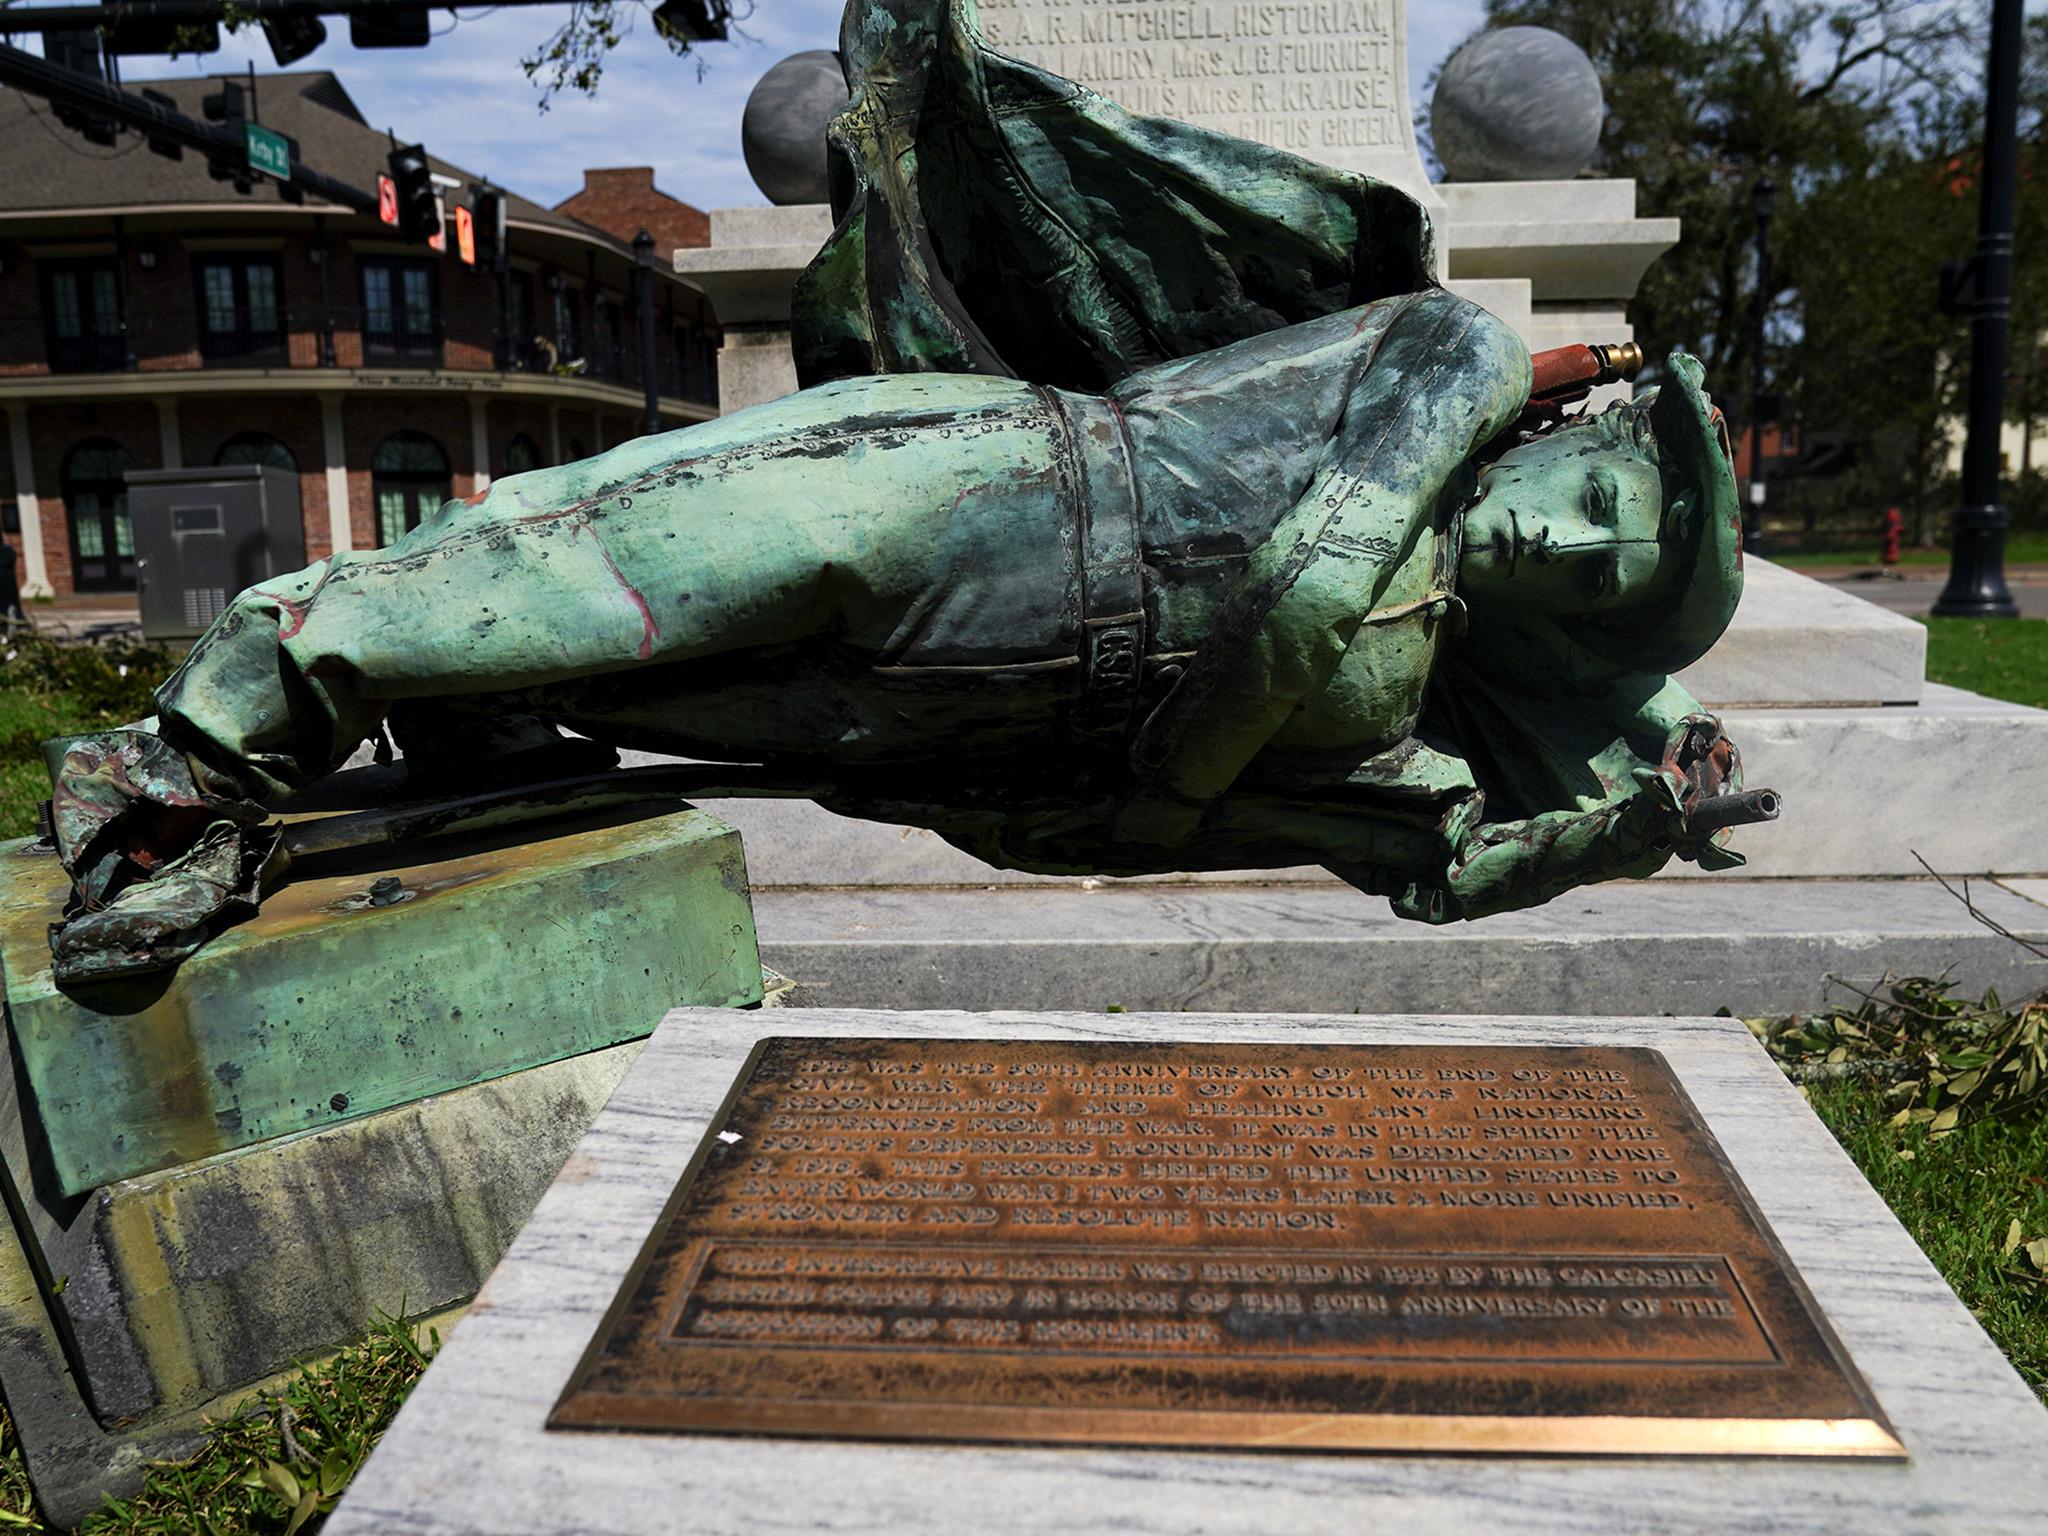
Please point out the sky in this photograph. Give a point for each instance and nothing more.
(466, 98)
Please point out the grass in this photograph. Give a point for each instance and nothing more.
(1943, 1104)
(274, 1469)
(1959, 1196)
(2001, 658)
(52, 689)
(2020, 549)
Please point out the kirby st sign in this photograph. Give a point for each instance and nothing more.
(270, 153)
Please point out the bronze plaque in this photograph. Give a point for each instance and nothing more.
(1500, 1248)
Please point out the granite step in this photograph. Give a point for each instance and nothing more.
(1754, 946)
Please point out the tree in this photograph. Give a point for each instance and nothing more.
(1867, 116)
(572, 59)
(1705, 96)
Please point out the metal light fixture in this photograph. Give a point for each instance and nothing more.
(693, 21)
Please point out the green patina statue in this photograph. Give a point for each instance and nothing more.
(1151, 508)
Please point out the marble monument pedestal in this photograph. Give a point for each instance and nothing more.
(469, 1453)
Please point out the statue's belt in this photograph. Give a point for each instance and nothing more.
(1094, 453)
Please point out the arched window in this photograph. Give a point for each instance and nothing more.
(521, 455)
(408, 482)
(96, 504)
(256, 448)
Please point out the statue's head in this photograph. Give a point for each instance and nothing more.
(1623, 527)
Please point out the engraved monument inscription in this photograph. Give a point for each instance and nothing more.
(1326, 79)
(1497, 1248)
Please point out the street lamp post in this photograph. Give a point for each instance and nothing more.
(1764, 200)
(1976, 572)
(650, 376)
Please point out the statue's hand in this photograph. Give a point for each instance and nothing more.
(1699, 763)
(154, 858)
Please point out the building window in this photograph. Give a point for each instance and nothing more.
(96, 505)
(523, 345)
(257, 448)
(401, 312)
(568, 348)
(521, 454)
(82, 303)
(409, 482)
(240, 317)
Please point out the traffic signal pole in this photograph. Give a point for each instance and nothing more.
(68, 88)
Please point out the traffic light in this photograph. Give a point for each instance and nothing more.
(148, 35)
(389, 26)
(693, 21)
(170, 149)
(293, 37)
(419, 215)
(465, 236)
(80, 51)
(229, 106)
(489, 210)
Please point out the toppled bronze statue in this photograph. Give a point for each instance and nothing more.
(1152, 509)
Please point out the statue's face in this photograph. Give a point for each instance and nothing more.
(1567, 524)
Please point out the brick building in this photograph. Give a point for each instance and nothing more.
(625, 201)
(152, 317)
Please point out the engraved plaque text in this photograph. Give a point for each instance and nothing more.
(1343, 1246)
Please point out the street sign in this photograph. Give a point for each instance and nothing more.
(270, 153)
(465, 235)
(387, 200)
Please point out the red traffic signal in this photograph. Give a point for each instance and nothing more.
(465, 235)
(419, 206)
(387, 200)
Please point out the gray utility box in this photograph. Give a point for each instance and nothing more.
(202, 535)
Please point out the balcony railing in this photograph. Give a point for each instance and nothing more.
(88, 353)
(337, 337)
(615, 362)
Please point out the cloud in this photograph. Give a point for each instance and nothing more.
(467, 99)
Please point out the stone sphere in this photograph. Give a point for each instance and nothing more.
(1517, 104)
(782, 132)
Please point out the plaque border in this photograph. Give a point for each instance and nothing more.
(1870, 1436)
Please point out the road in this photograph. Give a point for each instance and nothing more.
(1915, 594)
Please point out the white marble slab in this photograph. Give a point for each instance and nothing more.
(1799, 643)
(469, 1452)
(2033, 890)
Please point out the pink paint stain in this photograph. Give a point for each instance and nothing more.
(649, 630)
(296, 609)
